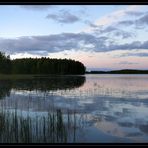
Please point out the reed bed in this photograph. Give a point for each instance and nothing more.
(53, 127)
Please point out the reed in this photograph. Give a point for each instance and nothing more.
(54, 127)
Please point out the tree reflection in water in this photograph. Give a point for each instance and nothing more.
(27, 126)
(41, 83)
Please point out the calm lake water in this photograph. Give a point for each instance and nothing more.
(72, 109)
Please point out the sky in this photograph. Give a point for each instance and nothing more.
(102, 37)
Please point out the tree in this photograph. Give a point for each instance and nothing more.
(5, 63)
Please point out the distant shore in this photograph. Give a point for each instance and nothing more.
(123, 71)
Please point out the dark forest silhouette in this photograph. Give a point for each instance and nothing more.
(40, 66)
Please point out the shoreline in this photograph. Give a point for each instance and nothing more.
(32, 76)
(122, 71)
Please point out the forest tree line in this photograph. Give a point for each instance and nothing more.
(40, 66)
(123, 71)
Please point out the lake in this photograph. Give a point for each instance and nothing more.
(95, 108)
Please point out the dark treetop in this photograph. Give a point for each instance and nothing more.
(40, 66)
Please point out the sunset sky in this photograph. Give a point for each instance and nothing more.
(102, 37)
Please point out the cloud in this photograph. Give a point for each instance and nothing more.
(142, 21)
(52, 43)
(123, 34)
(127, 63)
(115, 31)
(139, 23)
(126, 23)
(37, 7)
(42, 45)
(141, 54)
(128, 46)
(90, 24)
(108, 29)
(134, 13)
(63, 17)
(117, 15)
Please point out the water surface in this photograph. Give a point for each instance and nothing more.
(91, 108)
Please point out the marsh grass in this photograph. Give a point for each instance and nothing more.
(54, 127)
